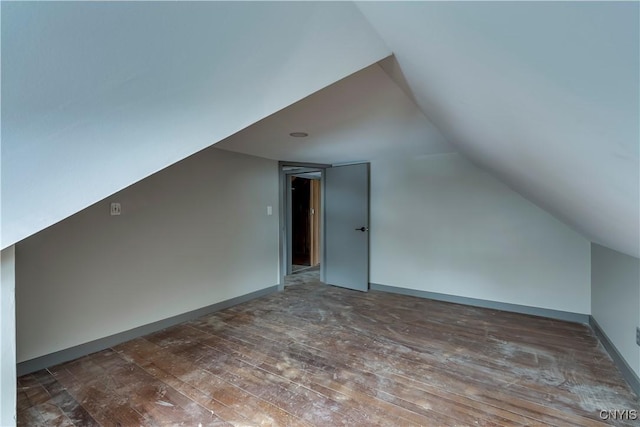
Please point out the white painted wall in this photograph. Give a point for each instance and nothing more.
(7, 338)
(615, 292)
(440, 224)
(98, 95)
(189, 236)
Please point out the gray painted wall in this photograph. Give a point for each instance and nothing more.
(189, 236)
(440, 224)
(615, 299)
(7, 338)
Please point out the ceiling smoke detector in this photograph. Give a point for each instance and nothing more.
(299, 134)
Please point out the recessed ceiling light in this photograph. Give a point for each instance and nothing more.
(299, 134)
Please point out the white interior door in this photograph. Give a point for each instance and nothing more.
(347, 226)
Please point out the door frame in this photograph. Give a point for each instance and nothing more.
(284, 264)
(315, 190)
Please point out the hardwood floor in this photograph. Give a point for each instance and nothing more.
(316, 355)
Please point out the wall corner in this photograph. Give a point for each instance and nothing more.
(7, 337)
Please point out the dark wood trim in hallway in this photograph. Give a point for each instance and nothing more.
(316, 355)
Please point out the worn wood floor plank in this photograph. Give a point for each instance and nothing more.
(279, 363)
(317, 355)
(379, 362)
(376, 384)
(133, 351)
(265, 361)
(224, 393)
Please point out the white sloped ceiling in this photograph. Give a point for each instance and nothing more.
(364, 116)
(98, 95)
(544, 94)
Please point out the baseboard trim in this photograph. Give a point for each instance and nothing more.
(503, 306)
(632, 379)
(52, 359)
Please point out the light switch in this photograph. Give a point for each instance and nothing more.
(269, 210)
(116, 209)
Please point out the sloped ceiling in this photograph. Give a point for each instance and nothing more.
(543, 94)
(362, 117)
(98, 95)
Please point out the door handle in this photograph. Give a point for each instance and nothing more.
(363, 229)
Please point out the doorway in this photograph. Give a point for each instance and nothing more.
(324, 224)
(301, 220)
(305, 221)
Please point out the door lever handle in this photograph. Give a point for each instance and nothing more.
(363, 229)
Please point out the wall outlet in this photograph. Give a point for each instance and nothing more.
(116, 209)
(638, 335)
